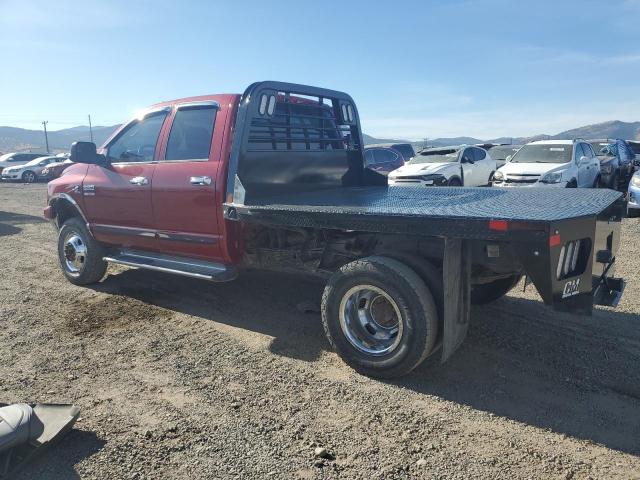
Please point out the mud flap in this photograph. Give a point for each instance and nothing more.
(457, 295)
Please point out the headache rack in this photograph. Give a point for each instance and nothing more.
(299, 122)
(291, 138)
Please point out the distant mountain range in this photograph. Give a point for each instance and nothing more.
(12, 139)
(611, 129)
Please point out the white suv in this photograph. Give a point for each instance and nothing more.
(452, 166)
(560, 163)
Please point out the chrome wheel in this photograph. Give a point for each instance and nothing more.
(370, 319)
(75, 253)
(29, 177)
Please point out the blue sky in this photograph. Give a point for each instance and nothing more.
(415, 68)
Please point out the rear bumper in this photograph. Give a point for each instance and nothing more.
(572, 262)
(592, 282)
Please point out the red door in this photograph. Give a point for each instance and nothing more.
(186, 210)
(117, 197)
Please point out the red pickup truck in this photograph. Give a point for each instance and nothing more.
(275, 178)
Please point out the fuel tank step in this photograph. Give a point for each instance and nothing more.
(189, 267)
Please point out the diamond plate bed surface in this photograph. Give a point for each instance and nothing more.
(523, 204)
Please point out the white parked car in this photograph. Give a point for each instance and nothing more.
(559, 163)
(464, 165)
(30, 171)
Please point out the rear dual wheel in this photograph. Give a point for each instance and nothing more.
(379, 316)
(484, 293)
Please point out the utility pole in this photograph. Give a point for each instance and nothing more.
(46, 137)
(90, 129)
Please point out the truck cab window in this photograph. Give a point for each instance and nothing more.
(479, 154)
(138, 141)
(190, 137)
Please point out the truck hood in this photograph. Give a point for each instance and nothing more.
(418, 169)
(510, 168)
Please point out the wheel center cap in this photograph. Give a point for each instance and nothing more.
(69, 252)
(382, 312)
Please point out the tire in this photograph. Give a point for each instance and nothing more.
(79, 254)
(455, 182)
(28, 177)
(404, 303)
(572, 183)
(490, 292)
(428, 272)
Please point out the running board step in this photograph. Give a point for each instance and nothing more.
(215, 272)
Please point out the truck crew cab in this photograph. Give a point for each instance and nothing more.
(275, 179)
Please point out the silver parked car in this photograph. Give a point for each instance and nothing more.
(30, 171)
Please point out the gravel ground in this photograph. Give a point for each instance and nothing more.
(179, 378)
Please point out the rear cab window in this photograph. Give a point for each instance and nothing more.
(191, 132)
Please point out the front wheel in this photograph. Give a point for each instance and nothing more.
(455, 182)
(28, 177)
(80, 255)
(379, 316)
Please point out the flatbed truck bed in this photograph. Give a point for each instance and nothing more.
(444, 211)
(276, 179)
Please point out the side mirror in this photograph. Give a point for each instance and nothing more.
(85, 152)
(466, 159)
(583, 160)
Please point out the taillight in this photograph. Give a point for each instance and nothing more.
(573, 258)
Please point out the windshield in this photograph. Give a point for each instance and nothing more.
(501, 153)
(541, 153)
(435, 156)
(598, 146)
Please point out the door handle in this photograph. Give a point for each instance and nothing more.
(200, 180)
(139, 181)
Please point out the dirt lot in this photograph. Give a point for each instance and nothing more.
(180, 378)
